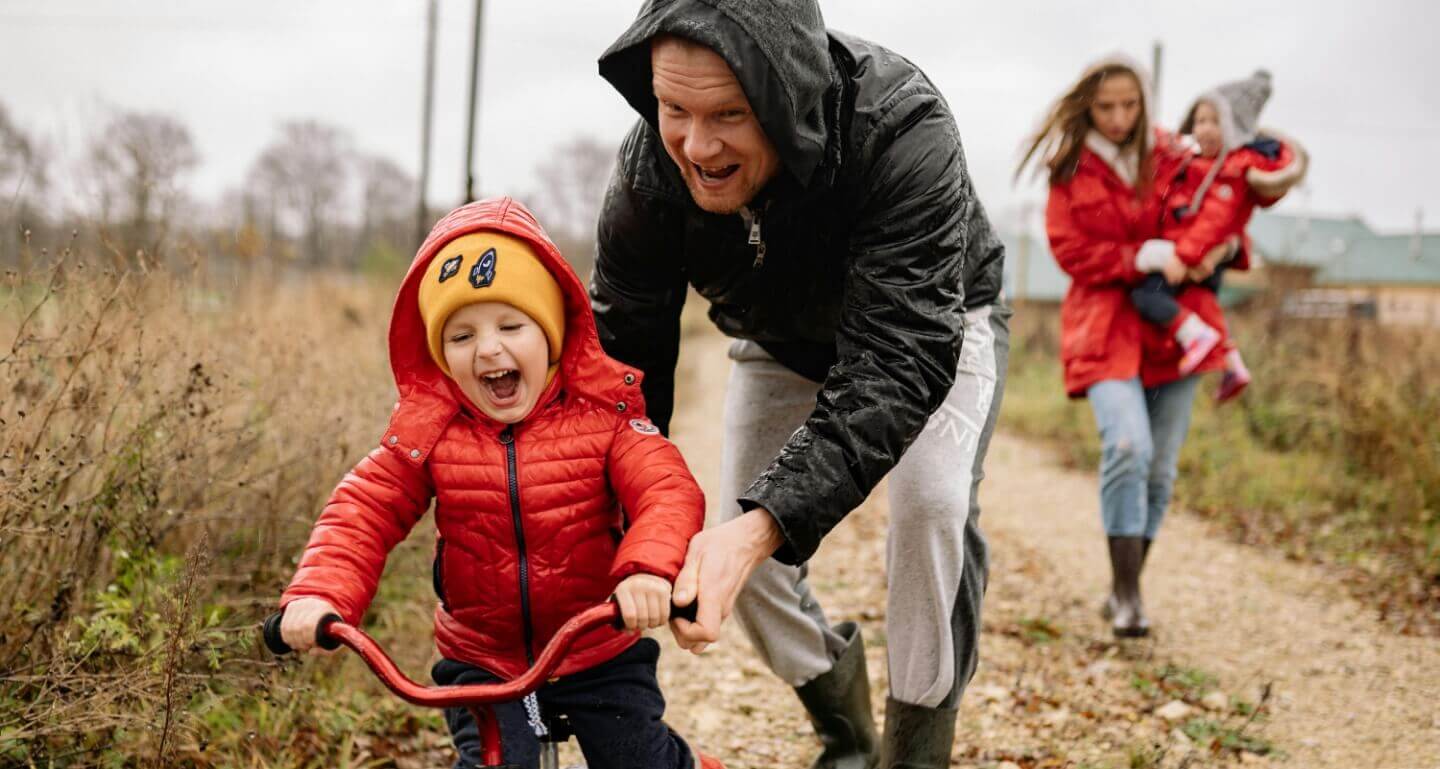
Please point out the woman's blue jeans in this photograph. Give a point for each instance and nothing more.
(1141, 432)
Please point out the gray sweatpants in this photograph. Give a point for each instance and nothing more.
(936, 557)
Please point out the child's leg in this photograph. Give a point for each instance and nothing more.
(1154, 299)
(615, 710)
(522, 748)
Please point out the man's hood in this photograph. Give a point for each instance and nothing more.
(778, 50)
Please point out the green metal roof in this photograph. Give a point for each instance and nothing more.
(1386, 259)
(1309, 241)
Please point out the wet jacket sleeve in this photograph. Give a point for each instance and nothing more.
(662, 501)
(638, 289)
(1088, 256)
(369, 513)
(899, 337)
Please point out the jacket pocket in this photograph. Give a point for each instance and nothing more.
(437, 570)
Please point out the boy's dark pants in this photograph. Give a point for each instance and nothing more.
(614, 709)
(1154, 299)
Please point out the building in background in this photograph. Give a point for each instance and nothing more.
(1310, 266)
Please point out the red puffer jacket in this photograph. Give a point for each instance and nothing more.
(1226, 209)
(531, 528)
(1096, 224)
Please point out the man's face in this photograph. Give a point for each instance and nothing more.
(708, 127)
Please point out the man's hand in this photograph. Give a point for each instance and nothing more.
(297, 625)
(717, 566)
(644, 601)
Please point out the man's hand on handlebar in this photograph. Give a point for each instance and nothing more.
(717, 566)
(298, 624)
(644, 601)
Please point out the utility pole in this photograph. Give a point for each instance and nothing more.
(422, 214)
(1022, 264)
(1156, 53)
(470, 176)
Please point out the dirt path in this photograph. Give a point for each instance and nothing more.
(1054, 690)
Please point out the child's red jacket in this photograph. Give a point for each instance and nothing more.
(1225, 210)
(536, 521)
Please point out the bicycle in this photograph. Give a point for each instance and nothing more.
(332, 632)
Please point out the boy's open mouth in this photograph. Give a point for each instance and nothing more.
(503, 385)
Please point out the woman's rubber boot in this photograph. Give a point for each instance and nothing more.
(917, 737)
(1107, 609)
(838, 703)
(1127, 557)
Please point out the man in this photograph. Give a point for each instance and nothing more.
(812, 187)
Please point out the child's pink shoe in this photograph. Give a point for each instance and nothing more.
(1197, 347)
(1236, 377)
(709, 762)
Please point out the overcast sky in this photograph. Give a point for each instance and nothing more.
(1355, 82)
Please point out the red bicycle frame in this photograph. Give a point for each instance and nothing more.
(332, 632)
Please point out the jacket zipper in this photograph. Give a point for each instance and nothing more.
(507, 438)
(438, 574)
(752, 220)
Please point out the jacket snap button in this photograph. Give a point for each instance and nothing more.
(394, 439)
(620, 406)
(629, 379)
(414, 453)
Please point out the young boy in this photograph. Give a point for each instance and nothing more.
(1208, 206)
(552, 492)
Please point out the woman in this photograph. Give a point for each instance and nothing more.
(1103, 219)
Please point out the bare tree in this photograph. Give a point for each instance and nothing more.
(136, 161)
(23, 167)
(305, 172)
(572, 186)
(387, 201)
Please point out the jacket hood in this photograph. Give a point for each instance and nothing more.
(778, 50)
(1238, 103)
(429, 399)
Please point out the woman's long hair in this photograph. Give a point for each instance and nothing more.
(1061, 135)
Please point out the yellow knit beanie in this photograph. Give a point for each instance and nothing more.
(490, 267)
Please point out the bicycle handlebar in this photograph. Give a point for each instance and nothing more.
(332, 632)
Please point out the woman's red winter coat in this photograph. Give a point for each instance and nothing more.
(1096, 225)
(536, 521)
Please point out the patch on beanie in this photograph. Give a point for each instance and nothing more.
(644, 427)
(483, 273)
(450, 268)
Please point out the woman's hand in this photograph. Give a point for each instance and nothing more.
(1159, 256)
(297, 625)
(644, 601)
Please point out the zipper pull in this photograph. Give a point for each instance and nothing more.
(507, 436)
(757, 241)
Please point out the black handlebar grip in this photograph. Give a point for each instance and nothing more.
(685, 612)
(323, 639)
(276, 643)
(273, 640)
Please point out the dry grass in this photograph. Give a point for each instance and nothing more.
(164, 445)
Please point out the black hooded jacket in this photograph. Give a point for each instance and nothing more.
(873, 243)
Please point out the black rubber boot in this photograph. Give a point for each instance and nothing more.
(1107, 609)
(1127, 557)
(917, 737)
(838, 703)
